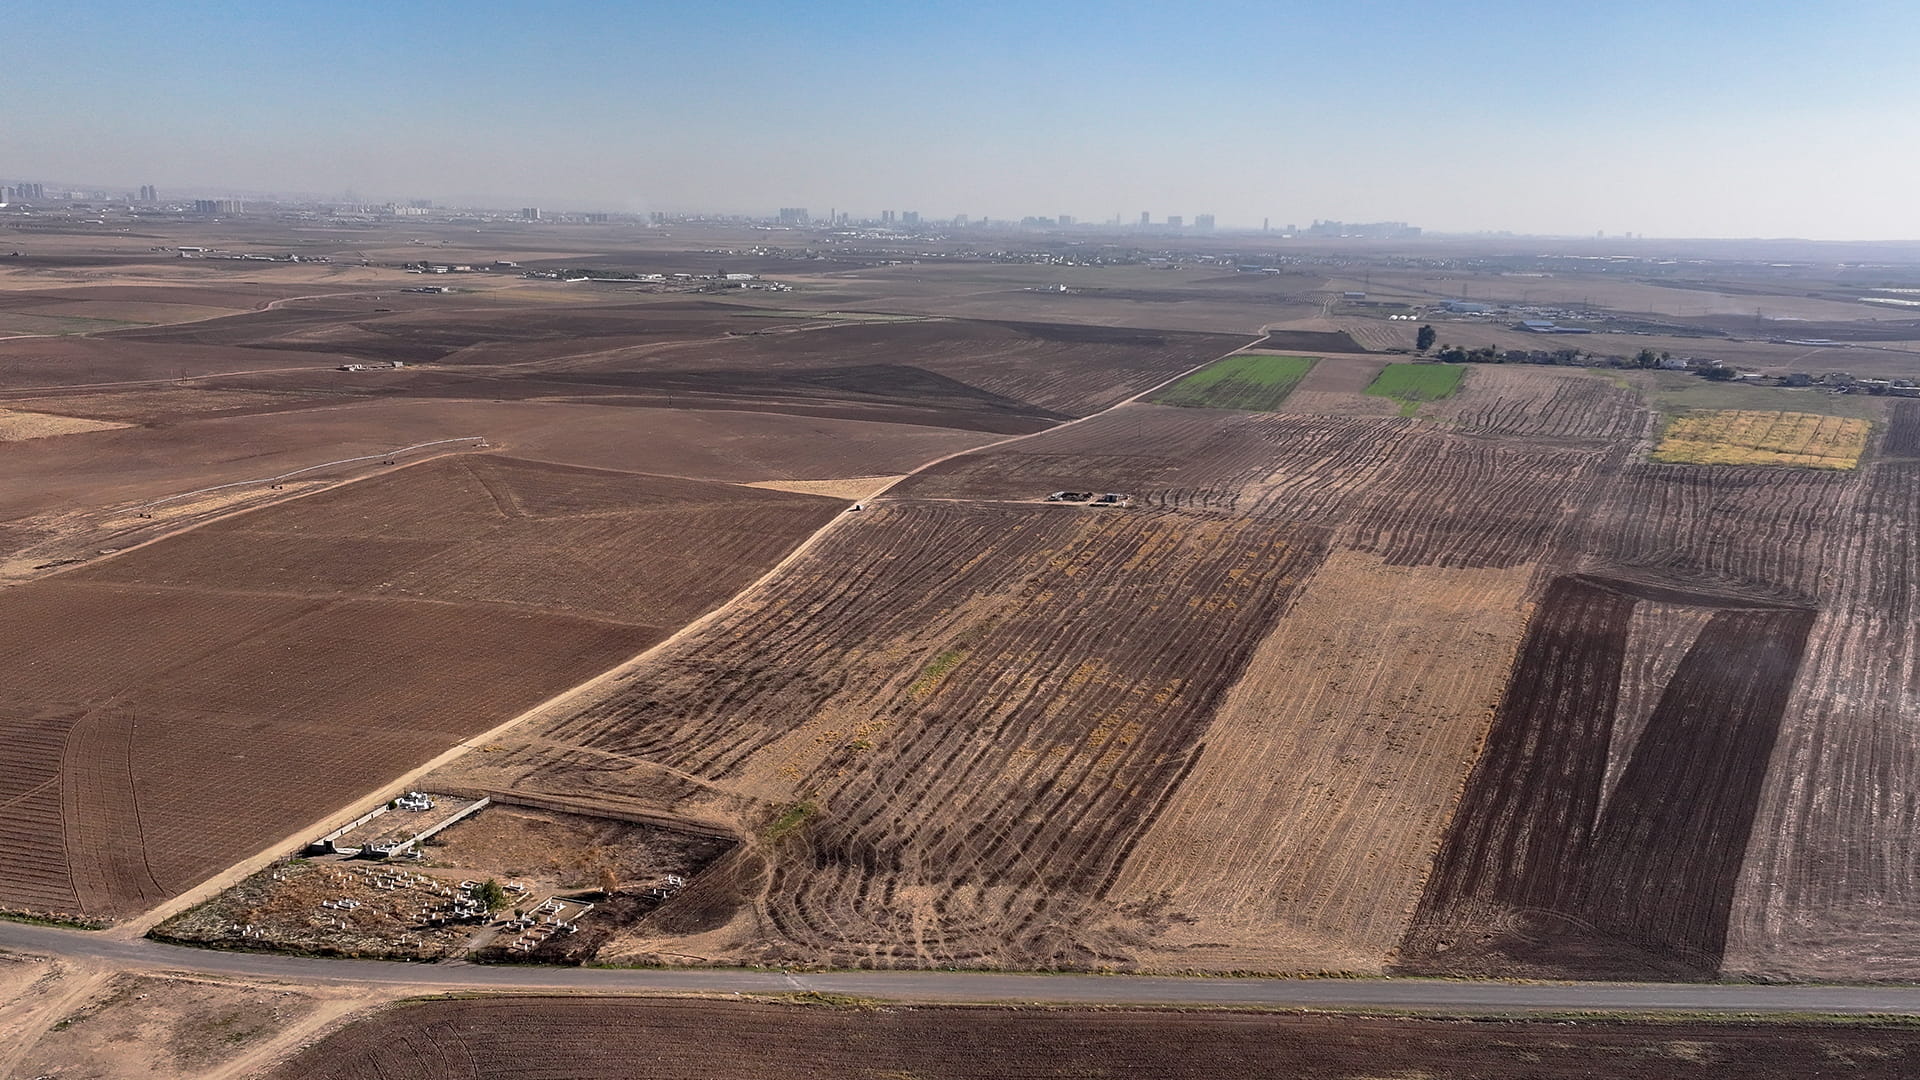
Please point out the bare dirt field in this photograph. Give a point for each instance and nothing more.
(1009, 377)
(587, 1040)
(77, 362)
(374, 624)
(70, 497)
(553, 850)
(1195, 299)
(60, 1019)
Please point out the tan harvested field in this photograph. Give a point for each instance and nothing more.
(589, 1040)
(371, 626)
(18, 425)
(853, 487)
(163, 405)
(1734, 437)
(1302, 837)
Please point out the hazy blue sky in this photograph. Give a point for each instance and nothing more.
(1672, 118)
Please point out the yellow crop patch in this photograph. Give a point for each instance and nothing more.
(1743, 437)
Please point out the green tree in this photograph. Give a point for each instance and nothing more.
(1425, 338)
(1647, 358)
(492, 895)
(1721, 373)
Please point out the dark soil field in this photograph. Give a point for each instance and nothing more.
(1604, 828)
(63, 363)
(972, 375)
(1903, 431)
(1003, 377)
(590, 1039)
(1312, 341)
(369, 626)
(459, 328)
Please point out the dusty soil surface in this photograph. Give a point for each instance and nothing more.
(587, 1040)
(553, 851)
(88, 1024)
(69, 498)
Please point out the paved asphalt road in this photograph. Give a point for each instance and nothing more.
(1425, 995)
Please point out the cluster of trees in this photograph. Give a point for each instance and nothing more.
(1491, 354)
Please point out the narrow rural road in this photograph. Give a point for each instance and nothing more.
(1396, 995)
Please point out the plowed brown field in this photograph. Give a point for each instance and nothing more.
(246, 678)
(608, 1038)
(974, 375)
(1552, 869)
(946, 755)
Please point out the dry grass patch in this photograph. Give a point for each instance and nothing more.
(16, 425)
(1746, 437)
(853, 487)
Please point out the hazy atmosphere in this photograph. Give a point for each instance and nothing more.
(958, 540)
(1663, 119)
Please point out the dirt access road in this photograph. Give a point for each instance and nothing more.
(1393, 995)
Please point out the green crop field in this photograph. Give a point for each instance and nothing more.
(1254, 381)
(1413, 384)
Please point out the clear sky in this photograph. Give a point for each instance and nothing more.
(1662, 117)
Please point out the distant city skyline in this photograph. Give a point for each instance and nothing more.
(1678, 118)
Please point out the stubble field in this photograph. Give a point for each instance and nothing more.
(1734, 437)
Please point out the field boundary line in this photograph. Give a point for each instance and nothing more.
(311, 468)
(140, 924)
